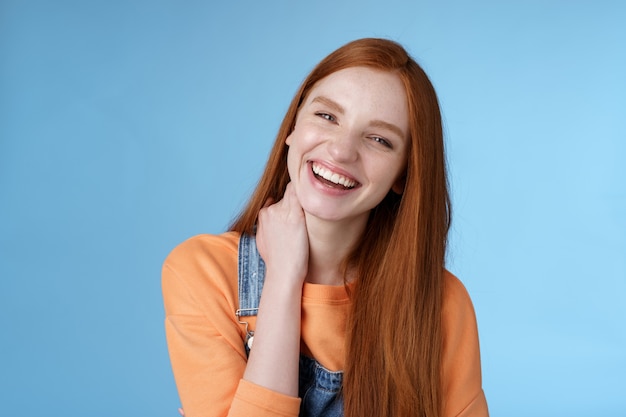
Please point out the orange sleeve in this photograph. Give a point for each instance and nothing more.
(462, 380)
(205, 342)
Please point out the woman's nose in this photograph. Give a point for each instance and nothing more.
(343, 148)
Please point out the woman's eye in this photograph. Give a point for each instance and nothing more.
(382, 141)
(326, 116)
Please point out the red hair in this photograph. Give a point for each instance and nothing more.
(394, 343)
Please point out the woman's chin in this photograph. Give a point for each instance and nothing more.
(326, 214)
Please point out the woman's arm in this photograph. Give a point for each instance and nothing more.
(462, 381)
(283, 244)
(204, 338)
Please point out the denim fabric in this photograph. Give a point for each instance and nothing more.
(251, 276)
(319, 388)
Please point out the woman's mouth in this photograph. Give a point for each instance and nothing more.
(331, 178)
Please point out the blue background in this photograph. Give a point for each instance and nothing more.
(127, 127)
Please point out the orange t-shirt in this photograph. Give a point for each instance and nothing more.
(205, 339)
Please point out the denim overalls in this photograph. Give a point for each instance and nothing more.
(319, 388)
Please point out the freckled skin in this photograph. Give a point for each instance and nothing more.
(354, 123)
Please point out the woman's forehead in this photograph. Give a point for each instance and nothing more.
(361, 89)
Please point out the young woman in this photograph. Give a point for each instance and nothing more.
(328, 296)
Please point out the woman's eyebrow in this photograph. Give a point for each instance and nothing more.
(330, 103)
(389, 126)
(374, 123)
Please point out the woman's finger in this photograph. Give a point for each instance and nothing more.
(268, 202)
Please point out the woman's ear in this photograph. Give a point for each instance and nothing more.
(398, 186)
(288, 138)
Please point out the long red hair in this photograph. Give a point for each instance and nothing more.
(394, 343)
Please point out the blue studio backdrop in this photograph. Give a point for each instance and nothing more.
(129, 126)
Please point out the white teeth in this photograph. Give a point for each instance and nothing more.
(333, 176)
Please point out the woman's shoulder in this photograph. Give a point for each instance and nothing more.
(203, 262)
(204, 246)
(457, 304)
(453, 287)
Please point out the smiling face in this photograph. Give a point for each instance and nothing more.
(349, 144)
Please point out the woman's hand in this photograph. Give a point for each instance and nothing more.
(283, 243)
(282, 237)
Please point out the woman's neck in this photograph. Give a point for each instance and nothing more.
(329, 245)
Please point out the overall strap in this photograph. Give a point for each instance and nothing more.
(251, 276)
